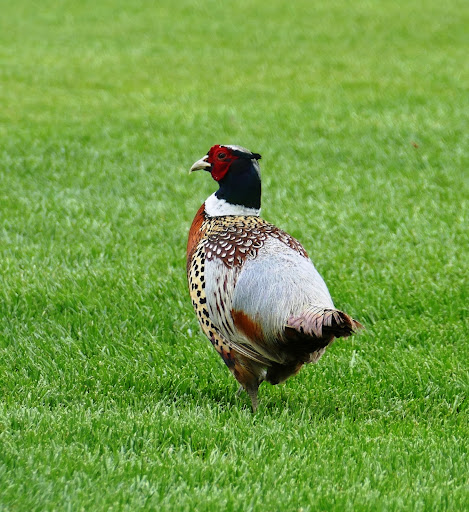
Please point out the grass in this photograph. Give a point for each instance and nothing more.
(111, 399)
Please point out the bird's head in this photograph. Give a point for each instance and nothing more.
(220, 158)
(238, 175)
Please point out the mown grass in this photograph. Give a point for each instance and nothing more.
(111, 399)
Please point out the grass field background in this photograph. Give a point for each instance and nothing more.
(111, 398)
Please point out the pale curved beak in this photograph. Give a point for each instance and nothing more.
(201, 164)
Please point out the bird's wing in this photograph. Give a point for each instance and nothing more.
(249, 352)
(276, 284)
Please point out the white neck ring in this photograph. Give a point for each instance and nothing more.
(215, 207)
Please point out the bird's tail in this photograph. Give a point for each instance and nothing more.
(323, 323)
(306, 336)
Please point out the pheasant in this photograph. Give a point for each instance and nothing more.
(257, 295)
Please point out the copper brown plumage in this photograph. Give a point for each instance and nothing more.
(257, 295)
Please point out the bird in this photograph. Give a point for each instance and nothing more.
(257, 295)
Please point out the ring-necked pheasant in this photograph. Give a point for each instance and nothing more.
(258, 297)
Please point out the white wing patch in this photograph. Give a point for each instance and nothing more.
(276, 284)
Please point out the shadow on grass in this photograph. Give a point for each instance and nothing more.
(273, 401)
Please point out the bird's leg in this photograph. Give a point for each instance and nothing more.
(249, 374)
(253, 396)
(252, 392)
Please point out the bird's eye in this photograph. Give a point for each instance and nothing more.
(221, 156)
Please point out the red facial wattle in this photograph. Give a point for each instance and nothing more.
(221, 158)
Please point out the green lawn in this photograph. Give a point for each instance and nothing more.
(111, 398)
